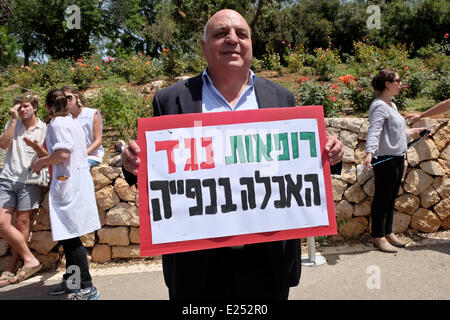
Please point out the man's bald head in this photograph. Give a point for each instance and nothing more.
(220, 14)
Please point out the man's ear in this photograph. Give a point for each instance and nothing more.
(203, 48)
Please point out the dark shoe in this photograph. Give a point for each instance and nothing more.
(61, 288)
(394, 240)
(383, 245)
(85, 294)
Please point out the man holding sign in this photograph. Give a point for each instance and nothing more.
(255, 271)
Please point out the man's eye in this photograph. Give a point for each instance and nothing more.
(220, 34)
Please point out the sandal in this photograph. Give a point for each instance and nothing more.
(24, 273)
(6, 278)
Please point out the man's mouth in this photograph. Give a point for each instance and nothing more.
(231, 52)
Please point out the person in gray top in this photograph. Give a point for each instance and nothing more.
(386, 142)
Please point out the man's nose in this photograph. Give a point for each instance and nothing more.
(232, 37)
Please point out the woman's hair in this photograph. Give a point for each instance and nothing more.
(75, 93)
(379, 81)
(27, 98)
(56, 102)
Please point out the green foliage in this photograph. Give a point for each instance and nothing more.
(414, 81)
(360, 95)
(326, 62)
(120, 109)
(271, 60)
(295, 59)
(442, 89)
(8, 48)
(312, 93)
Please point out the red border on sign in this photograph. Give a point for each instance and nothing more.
(224, 118)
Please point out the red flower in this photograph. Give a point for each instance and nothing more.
(300, 80)
(348, 78)
(405, 68)
(446, 36)
(80, 60)
(110, 59)
(333, 98)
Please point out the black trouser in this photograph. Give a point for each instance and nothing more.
(76, 256)
(224, 274)
(388, 176)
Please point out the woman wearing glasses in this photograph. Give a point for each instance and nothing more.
(91, 121)
(387, 138)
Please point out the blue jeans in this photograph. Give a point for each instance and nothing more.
(93, 163)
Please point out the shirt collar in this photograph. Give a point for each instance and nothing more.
(206, 78)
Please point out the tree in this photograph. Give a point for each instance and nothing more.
(8, 48)
(22, 23)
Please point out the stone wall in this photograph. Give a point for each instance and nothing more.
(423, 202)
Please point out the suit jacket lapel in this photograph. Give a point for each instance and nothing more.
(265, 95)
(191, 99)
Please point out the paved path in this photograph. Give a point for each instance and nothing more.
(351, 273)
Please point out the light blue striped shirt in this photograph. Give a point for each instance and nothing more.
(213, 100)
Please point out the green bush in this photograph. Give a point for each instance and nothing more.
(271, 60)
(295, 59)
(326, 62)
(415, 82)
(55, 73)
(312, 93)
(442, 90)
(360, 95)
(120, 109)
(256, 65)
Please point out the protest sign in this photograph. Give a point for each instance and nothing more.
(231, 178)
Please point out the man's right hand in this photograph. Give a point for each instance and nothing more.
(14, 111)
(130, 158)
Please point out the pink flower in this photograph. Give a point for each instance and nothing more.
(110, 59)
(446, 36)
(283, 42)
(289, 45)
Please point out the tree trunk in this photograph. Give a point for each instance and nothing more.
(257, 14)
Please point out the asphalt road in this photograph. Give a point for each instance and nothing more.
(350, 273)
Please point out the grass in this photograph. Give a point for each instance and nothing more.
(420, 104)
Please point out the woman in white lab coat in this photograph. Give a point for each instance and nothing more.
(72, 204)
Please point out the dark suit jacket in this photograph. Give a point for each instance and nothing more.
(191, 271)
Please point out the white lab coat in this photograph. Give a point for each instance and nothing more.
(72, 204)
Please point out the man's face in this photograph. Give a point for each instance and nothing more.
(228, 42)
(26, 110)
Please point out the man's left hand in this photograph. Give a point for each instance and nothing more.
(335, 149)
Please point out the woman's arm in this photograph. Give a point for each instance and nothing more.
(97, 133)
(57, 157)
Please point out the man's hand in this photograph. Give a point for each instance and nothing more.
(335, 149)
(14, 111)
(31, 143)
(413, 117)
(130, 158)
